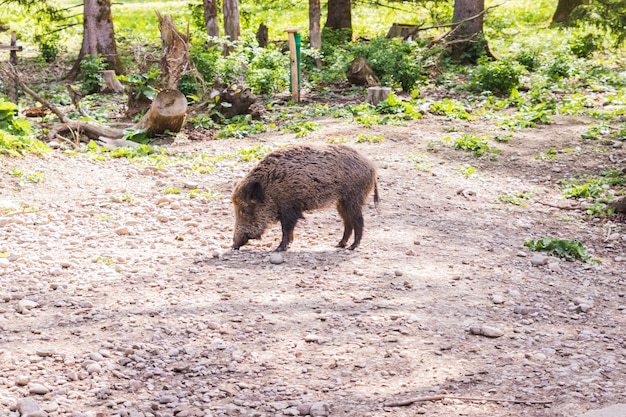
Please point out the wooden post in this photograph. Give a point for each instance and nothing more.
(295, 87)
(13, 96)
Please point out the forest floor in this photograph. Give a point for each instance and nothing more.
(119, 299)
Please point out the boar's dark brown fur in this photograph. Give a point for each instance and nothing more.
(301, 178)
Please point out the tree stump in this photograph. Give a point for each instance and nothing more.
(167, 113)
(112, 84)
(377, 94)
(360, 73)
(175, 60)
(233, 102)
(262, 35)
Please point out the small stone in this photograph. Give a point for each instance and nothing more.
(93, 368)
(311, 338)
(398, 273)
(123, 231)
(167, 399)
(487, 331)
(56, 271)
(421, 410)
(539, 260)
(28, 407)
(276, 258)
(497, 299)
(4, 263)
(24, 305)
(319, 409)
(304, 409)
(38, 389)
(554, 266)
(22, 380)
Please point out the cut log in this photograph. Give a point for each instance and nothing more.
(377, 94)
(360, 73)
(112, 84)
(167, 113)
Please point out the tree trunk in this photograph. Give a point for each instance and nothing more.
(230, 9)
(210, 18)
(468, 43)
(564, 9)
(314, 24)
(98, 36)
(339, 20)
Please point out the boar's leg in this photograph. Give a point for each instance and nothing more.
(357, 221)
(347, 223)
(288, 219)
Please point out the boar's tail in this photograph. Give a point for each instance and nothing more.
(376, 198)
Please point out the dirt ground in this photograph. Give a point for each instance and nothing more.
(117, 299)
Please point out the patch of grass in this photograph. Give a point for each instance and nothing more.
(255, 153)
(568, 249)
(468, 171)
(478, 145)
(171, 190)
(593, 187)
(517, 199)
(451, 109)
(241, 126)
(363, 138)
(336, 140)
(24, 176)
(300, 128)
(550, 154)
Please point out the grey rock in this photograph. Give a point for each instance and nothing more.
(539, 260)
(276, 258)
(28, 407)
(39, 389)
(319, 409)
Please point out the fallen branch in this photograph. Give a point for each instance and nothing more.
(410, 401)
(12, 74)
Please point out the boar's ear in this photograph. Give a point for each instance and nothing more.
(253, 193)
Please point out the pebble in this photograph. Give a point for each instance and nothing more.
(539, 260)
(39, 389)
(497, 299)
(487, 331)
(28, 407)
(276, 258)
(311, 338)
(4, 263)
(319, 409)
(554, 266)
(24, 305)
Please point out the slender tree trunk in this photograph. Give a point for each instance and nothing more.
(230, 9)
(564, 9)
(469, 43)
(98, 36)
(210, 18)
(315, 33)
(314, 24)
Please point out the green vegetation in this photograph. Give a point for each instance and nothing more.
(478, 145)
(568, 249)
(517, 199)
(25, 176)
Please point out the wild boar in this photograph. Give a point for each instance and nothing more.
(301, 178)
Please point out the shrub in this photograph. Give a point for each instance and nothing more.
(498, 77)
(91, 78)
(394, 61)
